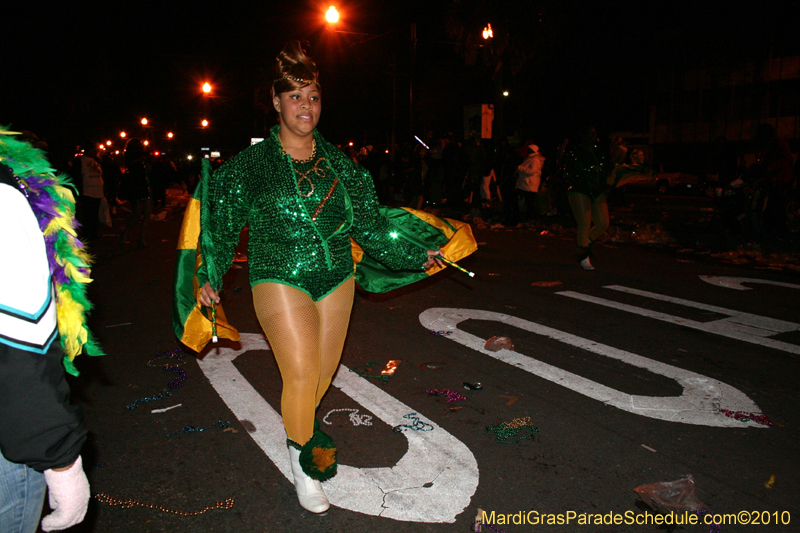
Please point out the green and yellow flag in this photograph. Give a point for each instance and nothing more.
(191, 320)
(423, 229)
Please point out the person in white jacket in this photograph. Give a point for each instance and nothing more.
(529, 177)
(43, 433)
(91, 193)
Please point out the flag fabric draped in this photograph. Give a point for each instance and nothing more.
(624, 174)
(423, 229)
(191, 320)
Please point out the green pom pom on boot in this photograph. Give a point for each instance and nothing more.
(318, 455)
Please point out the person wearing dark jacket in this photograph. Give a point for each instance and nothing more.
(42, 433)
(138, 189)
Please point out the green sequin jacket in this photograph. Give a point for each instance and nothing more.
(259, 187)
(585, 170)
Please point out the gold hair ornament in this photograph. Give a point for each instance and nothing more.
(298, 80)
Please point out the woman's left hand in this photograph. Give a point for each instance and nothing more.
(433, 259)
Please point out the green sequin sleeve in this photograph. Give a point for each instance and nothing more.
(373, 232)
(223, 214)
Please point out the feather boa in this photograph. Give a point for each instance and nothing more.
(52, 201)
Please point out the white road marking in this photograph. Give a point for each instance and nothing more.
(736, 283)
(740, 325)
(699, 404)
(433, 482)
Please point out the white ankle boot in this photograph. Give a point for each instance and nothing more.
(586, 264)
(309, 491)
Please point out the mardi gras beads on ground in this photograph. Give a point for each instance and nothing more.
(127, 503)
(175, 383)
(416, 424)
(449, 394)
(506, 430)
(179, 354)
(355, 418)
(744, 416)
(146, 399)
(191, 429)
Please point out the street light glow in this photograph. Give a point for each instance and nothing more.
(505, 93)
(332, 15)
(146, 143)
(487, 32)
(108, 143)
(170, 135)
(204, 123)
(123, 134)
(144, 122)
(206, 87)
(189, 158)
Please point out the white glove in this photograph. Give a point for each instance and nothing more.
(69, 497)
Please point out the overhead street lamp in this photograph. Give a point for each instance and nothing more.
(123, 134)
(144, 122)
(207, 88)
(204, 123)
(332, 15)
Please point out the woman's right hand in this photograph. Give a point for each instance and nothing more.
(208, 295)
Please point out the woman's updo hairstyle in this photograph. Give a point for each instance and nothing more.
(293, 69)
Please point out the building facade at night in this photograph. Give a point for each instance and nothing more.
(694, 109)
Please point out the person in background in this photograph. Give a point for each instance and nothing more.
(435, 179)
(773, 173)
(111, 179)
(138, 178)
(451, 165)
(475, 155)
(91, 192)
(585, 170)
(617, 151)
(529, 177)
(509, 160)
(42, 434)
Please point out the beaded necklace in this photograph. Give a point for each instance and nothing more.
(309, 159)
(318, 169)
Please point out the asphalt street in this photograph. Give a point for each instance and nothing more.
(626, 372)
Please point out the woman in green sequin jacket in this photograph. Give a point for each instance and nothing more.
(303, 200)
(586, 170)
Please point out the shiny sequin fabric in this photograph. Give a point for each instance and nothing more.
(584, 169)
(260, 187)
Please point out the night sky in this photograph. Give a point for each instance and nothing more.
(80, 72)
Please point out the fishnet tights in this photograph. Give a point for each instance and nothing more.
(307, 339)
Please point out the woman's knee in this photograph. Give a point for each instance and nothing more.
(600, 226)
(302, 383)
